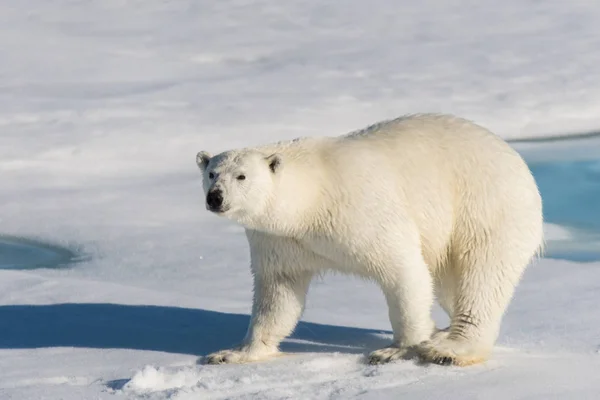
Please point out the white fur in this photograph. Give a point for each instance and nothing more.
(425, 205)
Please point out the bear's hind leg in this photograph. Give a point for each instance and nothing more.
(485, 288)
(445, 291)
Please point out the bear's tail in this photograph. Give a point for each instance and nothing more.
(540, 252)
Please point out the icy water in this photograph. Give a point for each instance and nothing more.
(568, 175)
(20, 253)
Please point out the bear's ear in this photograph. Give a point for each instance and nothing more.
(274, 161)
(202, 159)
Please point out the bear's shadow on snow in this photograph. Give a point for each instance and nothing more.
(167, 329)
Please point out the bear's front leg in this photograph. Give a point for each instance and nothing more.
(408, 290)
(278, 303)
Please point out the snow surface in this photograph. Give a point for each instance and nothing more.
(104, 104)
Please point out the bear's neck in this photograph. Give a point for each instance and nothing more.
(296, 207)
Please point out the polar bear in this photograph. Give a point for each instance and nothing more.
(425, 205)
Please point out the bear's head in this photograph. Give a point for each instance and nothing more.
(239, 184)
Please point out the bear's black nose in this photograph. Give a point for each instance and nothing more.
(214, 200)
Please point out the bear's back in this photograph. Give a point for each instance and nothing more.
(435, 146)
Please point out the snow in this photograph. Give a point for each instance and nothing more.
(103, 106)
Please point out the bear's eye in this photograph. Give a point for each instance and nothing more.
(211, 175)
(241, 177)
